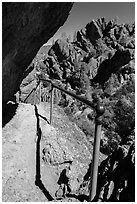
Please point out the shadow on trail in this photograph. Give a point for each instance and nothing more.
(82, 197)
(38, 181)
(44, 118)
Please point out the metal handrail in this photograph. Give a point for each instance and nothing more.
(80, 98)
(99, 108)
(34, 89)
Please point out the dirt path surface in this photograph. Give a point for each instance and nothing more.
(19, 159)
(35, 153)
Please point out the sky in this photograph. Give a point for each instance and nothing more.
(83, 12)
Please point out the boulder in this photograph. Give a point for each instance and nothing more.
(25, 28)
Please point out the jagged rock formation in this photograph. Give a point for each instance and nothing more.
(99, 50)
(25, 28)
(107, 52)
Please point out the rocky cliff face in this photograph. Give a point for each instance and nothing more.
(98, 51)
(101, 47)
(116, 177)
(25, 27)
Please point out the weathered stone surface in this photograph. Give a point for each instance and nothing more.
(93, 67)
(61, 49)
(93, 31)
(116, 181)
(101, 22)
(25, 27)
(113, 64)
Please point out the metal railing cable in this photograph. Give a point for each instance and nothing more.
(99, 108)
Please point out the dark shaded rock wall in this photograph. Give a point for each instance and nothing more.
(25, 27)
(116, 177)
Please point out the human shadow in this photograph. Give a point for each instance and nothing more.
(66, 191)
(38, 181)
(82, 197)
(8, 111)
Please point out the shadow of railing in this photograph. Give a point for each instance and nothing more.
(38, 181)
(99, 109)
(44, 118)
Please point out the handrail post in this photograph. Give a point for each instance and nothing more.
(34, 97)
(96, 149)
(51, 103)
(40, 91)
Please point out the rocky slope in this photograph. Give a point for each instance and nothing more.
(25, 28)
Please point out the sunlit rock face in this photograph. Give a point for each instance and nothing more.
(25, 27)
